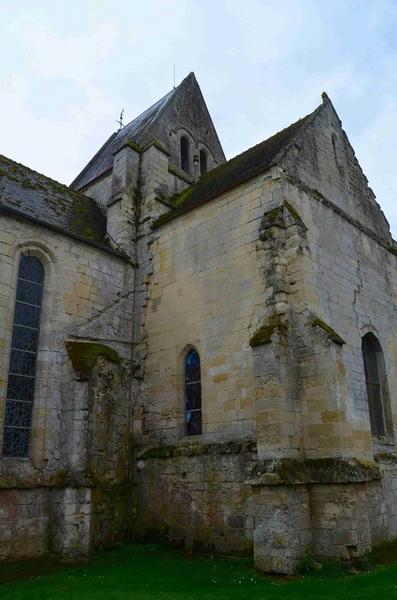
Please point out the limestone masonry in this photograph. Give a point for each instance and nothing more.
(199, 349)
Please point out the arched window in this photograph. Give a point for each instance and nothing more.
(22, 369)
(338, 155)
(203, 162)
(185, 154)
(193, 417)
(377, 389)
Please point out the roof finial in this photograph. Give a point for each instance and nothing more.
(120, 121)
(325, 97)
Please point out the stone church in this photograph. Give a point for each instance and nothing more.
(199, 349)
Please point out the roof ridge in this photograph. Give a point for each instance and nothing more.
(238, 156)
(308, 119)
(171, 94)
(155, 116)
(125, 131)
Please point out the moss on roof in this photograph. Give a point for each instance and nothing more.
(39, 198)
(234, 172)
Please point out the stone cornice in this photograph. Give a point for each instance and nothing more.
(296, 471)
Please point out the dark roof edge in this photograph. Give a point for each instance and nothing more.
(75, 180)
(15, 213)
(156, 116)
(310, 117)
(111, 138)
(182, 210)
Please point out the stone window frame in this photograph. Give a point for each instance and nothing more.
(188, 159)
(181, 392)
(379, 441)
(202, 147)
(203, 161)
(37, 451)
(338, 152)
(21, 382)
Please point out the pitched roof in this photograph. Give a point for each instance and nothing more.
(241, 168)
(29, 195)
(135, 131)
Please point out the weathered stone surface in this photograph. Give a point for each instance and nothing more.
(273, 280)
(293, 471)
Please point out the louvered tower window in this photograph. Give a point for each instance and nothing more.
(22, 369)
(203, 162)
(193, 416)
(185, 154)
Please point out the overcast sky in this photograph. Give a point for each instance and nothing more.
(67, 69)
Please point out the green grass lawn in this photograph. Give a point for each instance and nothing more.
(143, 572)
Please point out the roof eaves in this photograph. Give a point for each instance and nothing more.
(20, 215)
(185, 208)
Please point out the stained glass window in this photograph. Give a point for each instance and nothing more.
(22, 370)
(193, 416)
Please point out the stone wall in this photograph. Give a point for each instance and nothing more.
(274, 284)
(25, 522)
(350, 286)
(196, 495)
(203, 290)
(322, 158)
(55, 499)
(283, 530)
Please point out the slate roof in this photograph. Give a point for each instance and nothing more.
(27, 194)
(241, 168)
(135, 131)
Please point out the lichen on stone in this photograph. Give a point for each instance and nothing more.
(335, 337)
(298, 471)
(264, 334)
(196, 448)
(83, 355)
(393, 249)
(292, 210)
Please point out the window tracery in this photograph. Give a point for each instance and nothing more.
(22, 368)
(192, 374)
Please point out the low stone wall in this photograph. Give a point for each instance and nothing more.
(71, 526)
(282, 527)
(196, 495)
(68, 521)
(219, 496)
(215, 496)
(25, 522)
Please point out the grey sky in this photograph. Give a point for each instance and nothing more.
(67, 68)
